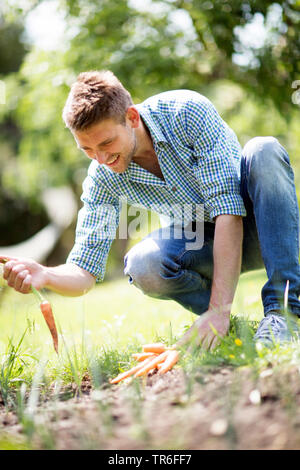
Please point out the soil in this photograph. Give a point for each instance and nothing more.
(215, 409)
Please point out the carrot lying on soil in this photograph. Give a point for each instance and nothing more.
(152, 363)
(129, 372)
(154, 348)
(170, 361)
(142, 356)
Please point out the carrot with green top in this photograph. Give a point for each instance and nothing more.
(46, 310)
(49, 318)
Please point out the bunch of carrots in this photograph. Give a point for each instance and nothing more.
(153, 356)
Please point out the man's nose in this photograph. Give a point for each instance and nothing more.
(101, 157)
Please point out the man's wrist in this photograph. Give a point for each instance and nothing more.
(46, 275)
(224, 309)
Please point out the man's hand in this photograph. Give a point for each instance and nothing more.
(214, 323)
(21, 273)
(206, 330)
(66, 279)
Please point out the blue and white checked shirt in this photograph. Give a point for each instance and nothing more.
(199, 156)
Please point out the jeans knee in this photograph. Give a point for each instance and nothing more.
(143, 265)
(265, 155)
(264, 147)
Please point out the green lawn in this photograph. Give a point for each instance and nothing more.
(99, 331)
(112, 314)
(98, 334)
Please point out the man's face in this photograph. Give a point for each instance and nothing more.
(109, 142)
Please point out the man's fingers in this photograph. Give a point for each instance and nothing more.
(12, 271)
(8, 267)
(20, 279)
(207, 340)
(190, 334)
(196, 338)
(214, 343)
(17, 276)
(26, 285)
(193, 345)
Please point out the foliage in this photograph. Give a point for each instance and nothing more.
(272, 61)
(151, 46)
(12, 49)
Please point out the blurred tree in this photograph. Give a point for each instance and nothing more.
(13, 212)
(142, 49)
(12, 49)
(151, 47)
(242, 55)
(265, 59)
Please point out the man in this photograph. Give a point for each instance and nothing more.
(174, 148)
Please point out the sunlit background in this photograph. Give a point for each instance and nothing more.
(243, 55)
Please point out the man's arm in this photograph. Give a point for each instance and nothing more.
(227, 266)
(66, 279)
(227, 261)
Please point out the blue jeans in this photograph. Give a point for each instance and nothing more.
(165, 269)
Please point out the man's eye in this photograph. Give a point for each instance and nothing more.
(88, 153)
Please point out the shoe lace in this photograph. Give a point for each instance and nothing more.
(275, 322)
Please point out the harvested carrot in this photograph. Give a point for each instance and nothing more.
(157, 348)
(142, 356)
(172, 358)
(49, 318)
(150, 360)
(129, 372)
(45, 309)
(152, 363)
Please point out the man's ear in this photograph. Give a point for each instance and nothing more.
(133, 116)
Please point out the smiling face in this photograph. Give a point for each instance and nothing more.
(109, 142)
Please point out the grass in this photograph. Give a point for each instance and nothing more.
(105, 327)
(99, 332)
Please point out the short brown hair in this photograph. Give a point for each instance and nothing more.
(95, 96)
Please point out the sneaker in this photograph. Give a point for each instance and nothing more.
(276, 328)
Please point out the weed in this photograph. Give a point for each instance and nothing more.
(12, 368)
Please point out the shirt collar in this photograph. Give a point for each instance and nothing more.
(147, 116)
(136, 173)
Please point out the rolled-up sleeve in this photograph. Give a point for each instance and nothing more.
(217, 154)
(97, 223)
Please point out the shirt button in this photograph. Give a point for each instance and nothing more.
(174, 188)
